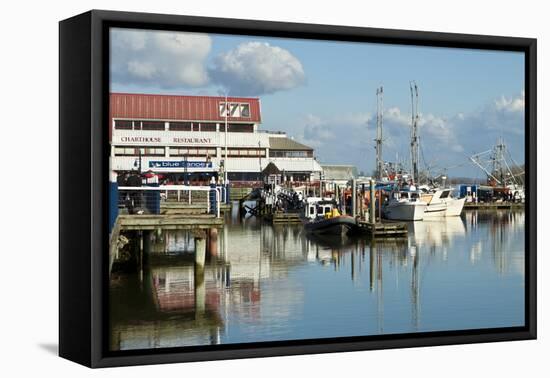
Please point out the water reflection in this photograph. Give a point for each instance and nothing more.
(265, 283)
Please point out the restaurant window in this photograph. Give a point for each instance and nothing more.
(208, 127)
(135, 151)
(290, 154)
(185, 151)
(245, 110)
(123, 125)
(234, 109)
(241, 128)
(152, 125)
(179, 126)
(245, 152)
(222, 109)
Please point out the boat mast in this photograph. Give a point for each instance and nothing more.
(414, 130)
(379, 115)
(498, 158)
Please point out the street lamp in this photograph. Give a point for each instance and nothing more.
(225, 162)
(226, 114)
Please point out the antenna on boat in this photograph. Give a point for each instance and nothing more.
(379, 115)
(493, 163)
(414, 129)
(498, 158)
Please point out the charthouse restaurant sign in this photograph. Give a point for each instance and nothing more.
(163, 140)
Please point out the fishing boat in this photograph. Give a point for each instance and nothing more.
(441, 202)
(322, 217)
(404, 205)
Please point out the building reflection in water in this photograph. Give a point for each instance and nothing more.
(263, 282)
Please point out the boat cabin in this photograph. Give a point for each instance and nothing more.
(405, 195)
(316, 209)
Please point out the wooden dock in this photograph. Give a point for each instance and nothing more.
(284, 218)
(169, 222)
(493, 206)
(172, 208)
(383, 230)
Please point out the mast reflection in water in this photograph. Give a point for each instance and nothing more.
(269, 283)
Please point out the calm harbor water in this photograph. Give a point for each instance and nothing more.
(270, 283)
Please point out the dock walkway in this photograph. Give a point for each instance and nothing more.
(279, 217)
(169, 222)
(172, 208)
(493, 205)
(385, 229)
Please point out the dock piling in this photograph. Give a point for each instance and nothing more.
(200, 248)
(372, 210)
(353, 198)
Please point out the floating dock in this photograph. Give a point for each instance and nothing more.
(493, 205)
(383, 230)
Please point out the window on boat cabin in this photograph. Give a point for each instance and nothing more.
(414, 195)
(327, 209)
(445, 194)
(311, 210)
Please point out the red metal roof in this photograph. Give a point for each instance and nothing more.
(182, 108)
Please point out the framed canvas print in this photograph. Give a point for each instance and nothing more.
(235, 188)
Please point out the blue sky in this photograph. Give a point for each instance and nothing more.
(323, 93)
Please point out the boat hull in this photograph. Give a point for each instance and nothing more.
(454, 207)
(449, 208)
(341, 225)
(405, 211)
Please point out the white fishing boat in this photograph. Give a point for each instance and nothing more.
(404, 205)
(441, 202)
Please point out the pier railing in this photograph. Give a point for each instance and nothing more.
(147, 199)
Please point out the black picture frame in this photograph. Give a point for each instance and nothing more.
(83, 210)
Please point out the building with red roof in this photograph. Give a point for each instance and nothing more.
(186, 135)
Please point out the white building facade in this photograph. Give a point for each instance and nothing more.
(185, 138)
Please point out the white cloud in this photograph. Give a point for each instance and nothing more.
(511, 104)
(445, 141)
(159, 59)
(143, 70)
(255, 68)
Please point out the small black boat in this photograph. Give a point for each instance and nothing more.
(338, 225)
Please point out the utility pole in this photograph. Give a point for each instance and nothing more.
(414, 130)
(379, 115)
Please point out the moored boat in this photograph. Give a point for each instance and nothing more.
(322, 217)
(338, 225)
(441, 203)
(404, 205)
